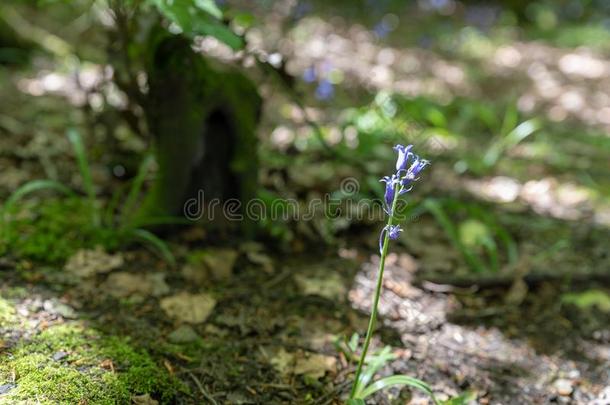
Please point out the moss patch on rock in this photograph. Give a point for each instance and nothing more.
(71, 363)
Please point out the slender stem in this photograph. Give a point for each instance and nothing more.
(373, 318)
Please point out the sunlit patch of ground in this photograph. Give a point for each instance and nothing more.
(564, 84)
(490, 360)
(546, 196)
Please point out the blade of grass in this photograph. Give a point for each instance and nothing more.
(512, 139)
(373, 364)
(435, 208)
(85, 172)
(136, 187)
(109, 213)
(33, 186)
(28, 188)
(398, 380)
(155, 242)
(505, 237)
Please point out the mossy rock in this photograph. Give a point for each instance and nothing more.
(73, 364)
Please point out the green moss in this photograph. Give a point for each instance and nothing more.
(588, 299)
(46, 232)
(97, 369)
(53, 230)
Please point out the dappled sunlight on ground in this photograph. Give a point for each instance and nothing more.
(456, 357)
(546, 196)
(565, 84)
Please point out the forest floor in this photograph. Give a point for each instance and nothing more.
(267, 333)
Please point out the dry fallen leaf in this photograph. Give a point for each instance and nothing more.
(191, 308)
(315, 365)
(107, 364)
(329, 286)
(89, 262)
(283, 362)
(124, 284)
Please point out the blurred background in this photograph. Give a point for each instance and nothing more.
(122, 284)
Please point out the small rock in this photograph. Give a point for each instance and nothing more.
(56, 307)
(87, 263)
(216, 264)
(60, 356)
(603, 398)
(184, 334)
(191, 308)
(4, 388)
(564, 387)
(574, 374)
(158, 285)
(220, 263)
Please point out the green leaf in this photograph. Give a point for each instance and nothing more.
(436, 209)
(210, 7)
(353, 342)
(83, 163)
(85, 172)
(463, 399)
(244, 20)
(199, 18)
(33, 186)
(28, 188)
(154, 241)
(355, 401)
(136, 186)
(588, 299)
(512, 139)
(398, 380)
(374, 363)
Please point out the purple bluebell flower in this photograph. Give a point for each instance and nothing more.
(404, 153)
(382, 29)
(390, 190)
(325, 90)
(309, 75)
(393, 233)
(416, 167)
(408, 167)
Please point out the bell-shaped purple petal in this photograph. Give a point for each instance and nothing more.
(309, 75)
(325, 90)
(416, 167)
(390, 191)
(393, 233)
(404, 153)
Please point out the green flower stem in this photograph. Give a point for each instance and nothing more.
(373, 318)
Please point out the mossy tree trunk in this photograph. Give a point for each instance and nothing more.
(204, 118)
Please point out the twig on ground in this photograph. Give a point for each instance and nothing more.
(202, 389)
